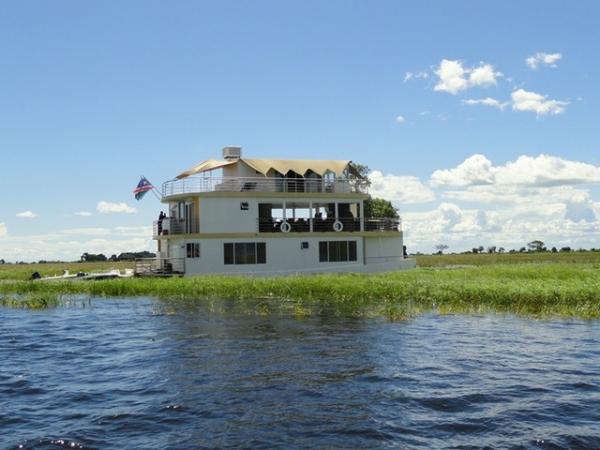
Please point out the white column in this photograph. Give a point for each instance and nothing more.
(310, 217)
(361, 214)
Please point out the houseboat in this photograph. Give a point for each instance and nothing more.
(239, 215)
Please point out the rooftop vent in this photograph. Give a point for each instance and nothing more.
(232, 153)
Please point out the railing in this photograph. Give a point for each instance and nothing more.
(193, 185)
(170, 225)
(326, 225)
(159, 266)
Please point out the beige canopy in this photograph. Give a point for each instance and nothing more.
(283, 166)
(205, 166)
(299, 166)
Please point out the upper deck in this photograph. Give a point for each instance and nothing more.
(204, 184)
(237, 174)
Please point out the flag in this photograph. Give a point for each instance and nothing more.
(143, 186)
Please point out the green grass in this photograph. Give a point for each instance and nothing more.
(507, 258)
(531, 289)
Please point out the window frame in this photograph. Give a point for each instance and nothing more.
(244, 253)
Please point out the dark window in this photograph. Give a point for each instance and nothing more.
(337, 251)
(244, 206)
(228, 252)
(245, 253)
(323, 251)
(192, 250)
(351, 250)
(304, 245)
(261, 253)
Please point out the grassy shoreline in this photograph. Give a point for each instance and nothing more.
(540, 290)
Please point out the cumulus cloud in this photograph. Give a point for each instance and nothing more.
(399, 189)
(488, 101)
(109, 208)
(541, 58)
(400, 119)
(542, 170)
(476, 169)
(454, 77)
(83, 214)
(523, 100)
(26, 215)
(3, 230)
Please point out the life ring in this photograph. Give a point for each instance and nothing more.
(285, 227)
(338, 226)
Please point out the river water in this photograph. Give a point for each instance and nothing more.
(123, 373)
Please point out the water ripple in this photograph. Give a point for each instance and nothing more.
(117, 375)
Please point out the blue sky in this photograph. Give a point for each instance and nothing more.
(93, 94)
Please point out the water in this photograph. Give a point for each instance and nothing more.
(115, 374)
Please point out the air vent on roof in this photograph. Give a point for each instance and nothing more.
(232, 152)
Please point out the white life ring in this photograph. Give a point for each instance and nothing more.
(285, 227)
(338, 226)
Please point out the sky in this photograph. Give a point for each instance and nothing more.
(477, 119)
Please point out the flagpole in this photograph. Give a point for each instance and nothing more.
(154, 191)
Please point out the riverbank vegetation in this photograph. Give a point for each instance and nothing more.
(533, 289)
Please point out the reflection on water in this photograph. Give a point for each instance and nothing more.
(115, 374)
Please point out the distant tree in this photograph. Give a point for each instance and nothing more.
(501, 250)
(554, 250)
(380, 208)
(440, 248)
(565, 249)
(480, 248)
(113, 258)
(89, 257)
(536, 246)
(492, 249)
(475, 250)
(360, 172)
(522, 250)
(2, 261)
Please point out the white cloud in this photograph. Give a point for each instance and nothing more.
(454, 77)
(476, 169)
(408, 76)
(399, 189)
(483, 75)
(523, 100)
(108, 208)
(83, 214)
(451, 76)
(3, 229)
(26, 215)
(541, 58)
(542, 170)
(488, 101)
(400, 119)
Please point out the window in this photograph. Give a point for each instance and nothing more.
(245, 253)
(244, 206)
(304, 245)
(337, 251)
(192, 250)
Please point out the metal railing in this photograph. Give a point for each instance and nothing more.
(170, 225)
(159, 266)
(325, 225)
(193, 185)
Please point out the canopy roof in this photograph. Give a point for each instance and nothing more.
(206, 166)
(283, 166)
